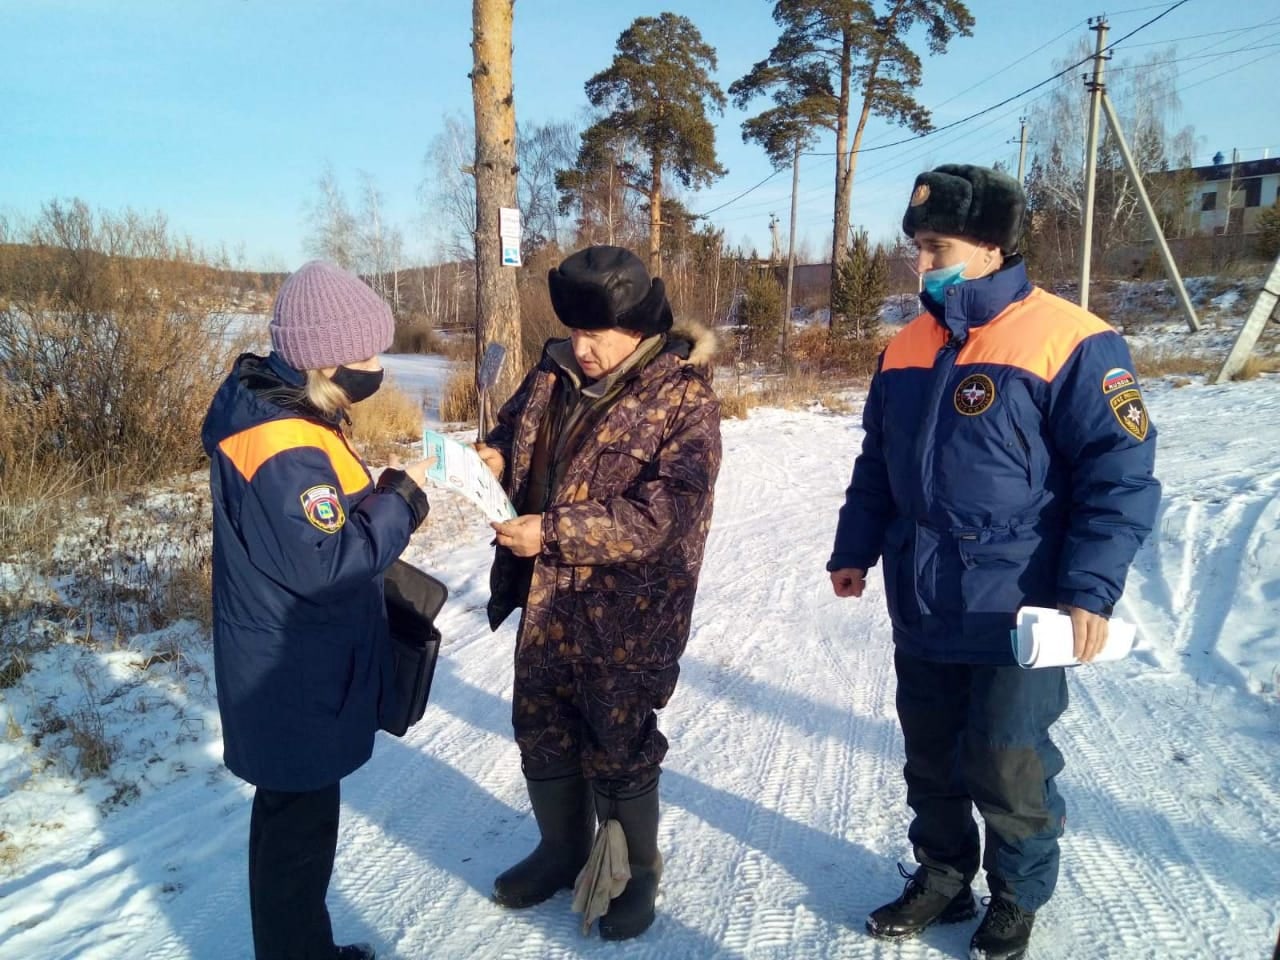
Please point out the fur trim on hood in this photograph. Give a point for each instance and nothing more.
(703, 344)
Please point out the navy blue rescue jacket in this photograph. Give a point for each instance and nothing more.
(301, 538)
(1007, 461)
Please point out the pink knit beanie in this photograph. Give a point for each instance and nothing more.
(325, 317)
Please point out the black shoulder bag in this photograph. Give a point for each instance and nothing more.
(413, 600)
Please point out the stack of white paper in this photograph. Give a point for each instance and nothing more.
(1044, 639)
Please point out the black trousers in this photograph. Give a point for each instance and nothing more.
(979, 736)
(292, 841)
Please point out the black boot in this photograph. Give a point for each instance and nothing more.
(566, 820)
(1004, 932)
(918, 907)
(631, 912)
(355, 951)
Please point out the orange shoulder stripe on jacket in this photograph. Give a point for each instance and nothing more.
(915, 345)
(250, 449)
(1037, 335)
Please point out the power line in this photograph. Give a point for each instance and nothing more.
(707, 213)
(1007, 100)
(1198, 56)
(1201, 36)
(1223, 73)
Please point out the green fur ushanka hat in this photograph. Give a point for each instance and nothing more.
(961, 200)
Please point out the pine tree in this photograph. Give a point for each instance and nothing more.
(657, 93)
(838, 58)
(861, 286)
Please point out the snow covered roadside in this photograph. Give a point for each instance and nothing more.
(783, 804)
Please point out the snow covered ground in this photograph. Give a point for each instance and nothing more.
(783, 810)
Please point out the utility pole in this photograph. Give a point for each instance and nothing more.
(493, 97)
(1095, 87)
(791, 256)
(1100, 103)
(1263, 308)
(1022, 142)
(775, 244)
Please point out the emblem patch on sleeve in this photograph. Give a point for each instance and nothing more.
(1117, 378)
(323, 508)
(975, 394)
(1131, 412)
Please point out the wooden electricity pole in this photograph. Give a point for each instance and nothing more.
(791, 258)
(1099, 26)
(1100, 104)
(1263, 308)
(493, 96)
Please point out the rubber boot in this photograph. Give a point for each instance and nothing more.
(631, 912)
(566, 821)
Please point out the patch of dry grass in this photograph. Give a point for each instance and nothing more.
(382, 423)
(789, 392)
(1255, 366)
(1154, 362)
(458, 401)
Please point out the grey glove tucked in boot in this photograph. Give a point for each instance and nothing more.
(631, 912)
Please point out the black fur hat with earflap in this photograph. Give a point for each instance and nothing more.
(600, 287)
(961, 200)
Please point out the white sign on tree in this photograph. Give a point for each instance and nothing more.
(509, 229)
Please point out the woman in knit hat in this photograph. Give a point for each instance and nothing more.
(301, 538)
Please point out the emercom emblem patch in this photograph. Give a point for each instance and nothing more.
(323, 508)
(975, 394)
(1117, 378)
(1131, 412)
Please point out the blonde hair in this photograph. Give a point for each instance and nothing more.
(325, 395)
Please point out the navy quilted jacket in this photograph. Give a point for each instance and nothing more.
(301, 538)
(1007, 461)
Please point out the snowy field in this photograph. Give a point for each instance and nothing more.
(784, 808)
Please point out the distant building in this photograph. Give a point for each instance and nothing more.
(1227, 197)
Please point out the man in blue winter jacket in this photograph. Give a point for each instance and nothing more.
(1007, 462)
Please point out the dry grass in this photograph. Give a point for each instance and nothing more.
(458, 401)
(735, 405)
(113, 337)
(1255, 366)
(790, 392)
(30, 517)
(1154, 362)
(417, 336)
(386, 420)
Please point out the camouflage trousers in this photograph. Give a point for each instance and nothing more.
(568, 711)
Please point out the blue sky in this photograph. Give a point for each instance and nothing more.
(222, 113)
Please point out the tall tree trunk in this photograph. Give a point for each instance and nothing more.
(840, 222)
(655, 216)
(497, 301)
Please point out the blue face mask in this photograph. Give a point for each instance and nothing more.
(935, 282)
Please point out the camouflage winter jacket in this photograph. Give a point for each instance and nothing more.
(624, 529)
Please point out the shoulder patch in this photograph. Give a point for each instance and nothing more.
(1117, 378)
(323, 508)
(1131, 413)
(975, 394)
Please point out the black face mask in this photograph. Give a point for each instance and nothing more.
(357, 384)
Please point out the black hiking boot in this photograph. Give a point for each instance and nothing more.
(631, 912)
(918, 907)
(1004, 932)
(354, 951)
(566, 821)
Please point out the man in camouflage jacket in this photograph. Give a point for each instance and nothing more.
(609, 450)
